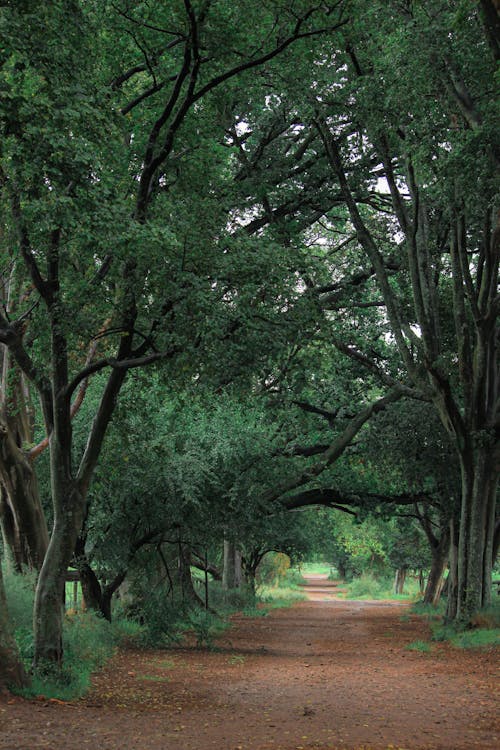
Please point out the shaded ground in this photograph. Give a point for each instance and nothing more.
(325, 674)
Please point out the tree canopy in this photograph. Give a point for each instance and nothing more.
(288, 213)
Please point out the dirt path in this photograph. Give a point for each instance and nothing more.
(325, 674)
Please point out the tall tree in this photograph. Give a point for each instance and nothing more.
(435, 146)
(99, 134)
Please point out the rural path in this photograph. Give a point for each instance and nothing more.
(325, 673)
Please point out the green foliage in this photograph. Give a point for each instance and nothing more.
(89, 641)
(161, 619)
(368, 586)
(206, 626)
(279, 596)
(421, 646)
(20, 591)
(429, 611)
(233, 600)
(483, 631)
(274, 569)
(482, 638)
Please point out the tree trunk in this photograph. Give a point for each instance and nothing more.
(231, 576)
(399, 581)
(421, 581)
(342, 570)
(23, 522)
(48, 609)
(189, 594)
(452, 580)
(435, 581)
(21, 515)
(12, 673)
(490, 552)
(476, 533)
(91, 587)
(496, 542)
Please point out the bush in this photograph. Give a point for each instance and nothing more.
(160, 618)
(234, 600)
(279, 596)
(430, 611)
(368, 586)
(422, 646)
(477, 638)
(206, 627)
(20, 593)
(273, 569)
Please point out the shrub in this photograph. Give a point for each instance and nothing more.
(273, 569)
(277, 596)
(477, 638)
(366, 586)
(20, 593)
(206, 627)
(234, 600)
(161, 619)
(88, 639)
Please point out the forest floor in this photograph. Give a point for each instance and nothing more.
(326, 673)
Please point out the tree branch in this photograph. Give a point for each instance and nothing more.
(336, 448)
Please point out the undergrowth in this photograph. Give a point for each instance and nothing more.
(367, 586)
(483, 630)
(88, 640)
(421, 646)
(155, 622)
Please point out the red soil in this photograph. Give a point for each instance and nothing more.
(325, 674)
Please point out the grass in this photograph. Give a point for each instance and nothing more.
(422, 646)
(476, 638)
(367, 586)
(206, 626)
(483, 633)
(429, 611)
(236, 659)
(89, 642)
(316, 568)
(279, 596)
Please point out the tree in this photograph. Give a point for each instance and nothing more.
(404, 116)
(92, 218)
(451, 246)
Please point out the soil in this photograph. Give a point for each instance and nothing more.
(326, 673)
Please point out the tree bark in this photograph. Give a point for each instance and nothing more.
(23, 522)
(476, 533)
(440, 555)
(91, 587)
(399, 581)
(231, 576)
(452, 580)
(48, 608)
(198, 562)
(189, 594)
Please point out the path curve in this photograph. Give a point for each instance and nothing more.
(324, 674)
